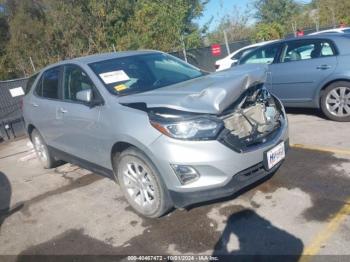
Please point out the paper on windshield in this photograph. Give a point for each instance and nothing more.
(114, 77)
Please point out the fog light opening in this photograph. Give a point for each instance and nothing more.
(186, 174)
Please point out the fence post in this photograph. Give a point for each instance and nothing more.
(183, 48)
(31, 62)
(226, 43)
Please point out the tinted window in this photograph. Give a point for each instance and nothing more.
(48, 85)
(303, 50)
(75, 80)
(264, 55)
(30, 83)
(140, 73)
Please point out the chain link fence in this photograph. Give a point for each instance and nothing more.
(11, 119)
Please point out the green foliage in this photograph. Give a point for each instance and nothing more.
(236, 27)
(268, 31)
(49, 30)
(276, 11)
(332, 12)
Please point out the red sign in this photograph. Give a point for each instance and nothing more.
(300, 32)
(215, 49)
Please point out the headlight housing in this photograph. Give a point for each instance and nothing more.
(199, 128)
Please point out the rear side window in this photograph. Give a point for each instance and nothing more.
(48, 85)
(304, 50)
(30, 83)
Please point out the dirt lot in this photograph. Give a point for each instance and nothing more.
(303, 209)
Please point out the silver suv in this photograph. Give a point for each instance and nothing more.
(169, 133)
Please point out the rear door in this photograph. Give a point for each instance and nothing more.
(302, 66)
(43, 104)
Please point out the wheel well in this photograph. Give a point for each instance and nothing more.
(329, 83)
(116, 150)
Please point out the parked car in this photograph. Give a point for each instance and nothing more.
(170, 134)
(341, 30)
(311, 71)
(232, 59)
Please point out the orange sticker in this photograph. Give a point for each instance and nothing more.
(120, 87)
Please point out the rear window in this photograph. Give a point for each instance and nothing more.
(48, 85)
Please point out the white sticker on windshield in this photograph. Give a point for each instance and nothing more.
(114, 77)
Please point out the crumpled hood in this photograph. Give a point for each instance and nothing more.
(210, 94)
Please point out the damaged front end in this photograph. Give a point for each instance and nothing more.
(254, 118)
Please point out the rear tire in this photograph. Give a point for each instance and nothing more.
(141, 184)
(41, 150)
(335, 101)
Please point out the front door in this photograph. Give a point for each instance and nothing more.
(81, 135)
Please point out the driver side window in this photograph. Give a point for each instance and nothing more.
(75, 80)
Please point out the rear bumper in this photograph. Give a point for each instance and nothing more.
(238, 182)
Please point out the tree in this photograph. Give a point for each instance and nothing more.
(276, 11)
(332, 12)
(49, 30)
(268, 31)
(236, 27)
(161, 24)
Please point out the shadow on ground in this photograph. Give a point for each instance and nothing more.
(5, 199)
(306, 111)
(256, 236)
(258, 239)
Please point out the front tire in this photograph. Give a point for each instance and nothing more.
(41, 150)
(335, 101)
(141, 184)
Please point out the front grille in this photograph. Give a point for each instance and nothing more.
(243, 144)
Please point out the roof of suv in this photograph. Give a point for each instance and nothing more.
(100, 57)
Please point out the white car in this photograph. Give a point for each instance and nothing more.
(333, 30)
(228, 61)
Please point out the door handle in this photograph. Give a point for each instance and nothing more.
(34, 104)
(323, 67)
(62, 110)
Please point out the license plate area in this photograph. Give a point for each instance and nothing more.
(274, 156)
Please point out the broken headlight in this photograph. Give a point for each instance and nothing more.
(199, 128)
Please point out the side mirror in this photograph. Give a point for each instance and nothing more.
(84, 96)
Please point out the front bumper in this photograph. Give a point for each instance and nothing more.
(223, 171)
(238, 182)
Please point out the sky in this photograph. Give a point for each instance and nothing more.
(219, 8)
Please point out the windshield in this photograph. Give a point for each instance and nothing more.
(140, 73)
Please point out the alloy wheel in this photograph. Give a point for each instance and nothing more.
(140, 185)
(338, 101)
